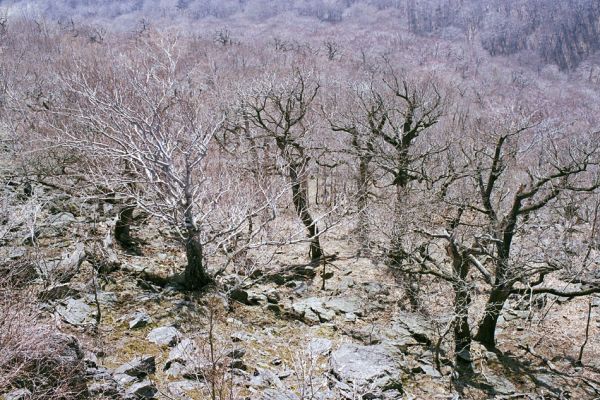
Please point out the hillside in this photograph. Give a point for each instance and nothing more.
(299, 200)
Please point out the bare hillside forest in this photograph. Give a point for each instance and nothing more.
(299, 200)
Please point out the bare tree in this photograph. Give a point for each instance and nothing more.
(149, 114)
(280, 109)
(388, 115)
(493, 194)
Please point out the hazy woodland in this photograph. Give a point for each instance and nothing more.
(386, 199)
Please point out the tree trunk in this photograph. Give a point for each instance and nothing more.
(462, 301)
(397, 254)
(300, 200)
(362, 202)
(195, 275)
(486, 334)
(123, 228)
(462, 331)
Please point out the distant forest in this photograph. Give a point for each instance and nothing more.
(564, 33)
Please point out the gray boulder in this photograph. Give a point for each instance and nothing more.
(140, 319)
(319, 347)
(142, 390)
(164, 336)
(366, 365)
(312, 310)
(75, 312)
(18, 394)
(139, 367)
(57, 292)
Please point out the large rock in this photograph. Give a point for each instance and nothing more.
(139, 319)
(184, 360)
(319, 347)
(180, 388)
(64, 269)
(142, 390)
(317, 309)
(345, 305)
(107, 299)
(312, 310)
(56, 225)
(184, 352)
(164, 336)
(18, 394)
(418, 326)
(75, 312)
(366, 366)
(57, 292)
(139, 367)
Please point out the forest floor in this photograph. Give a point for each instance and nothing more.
(279, 335)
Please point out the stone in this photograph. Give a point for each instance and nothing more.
(139, 367)
(375, 289)
(140, 319)
(142, 390)
(366, 365)
(257, 298)
(265, 378)
(500, 384)
(319, 347)
(107, 299)
(18, 394)
(369, 335)
(272, 394)
(164, 336)
(311, 310)
(346, 283)
(240, 337)
(416, 325)
(180, 388)
(350, 317)
(75, 312)
(184, 352)
(236, 353)
(57, 292)
(429, 370)
(104, 389)
(345, 305)
(16, 252)
(546, 380)
(174, 369)
(56, 224)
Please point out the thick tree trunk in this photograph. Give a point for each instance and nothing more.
(300, 200)
(362, 202)
(195, 274)
(397, 254)
(486, 333)
(462, 331)
(123, 228)
(462, 301)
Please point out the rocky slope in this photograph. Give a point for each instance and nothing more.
(123, 327)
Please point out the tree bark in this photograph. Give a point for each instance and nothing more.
(462, 331)
(486, 333)
(300, 200)
(195, 274)
(362, 202)
(123, 228)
